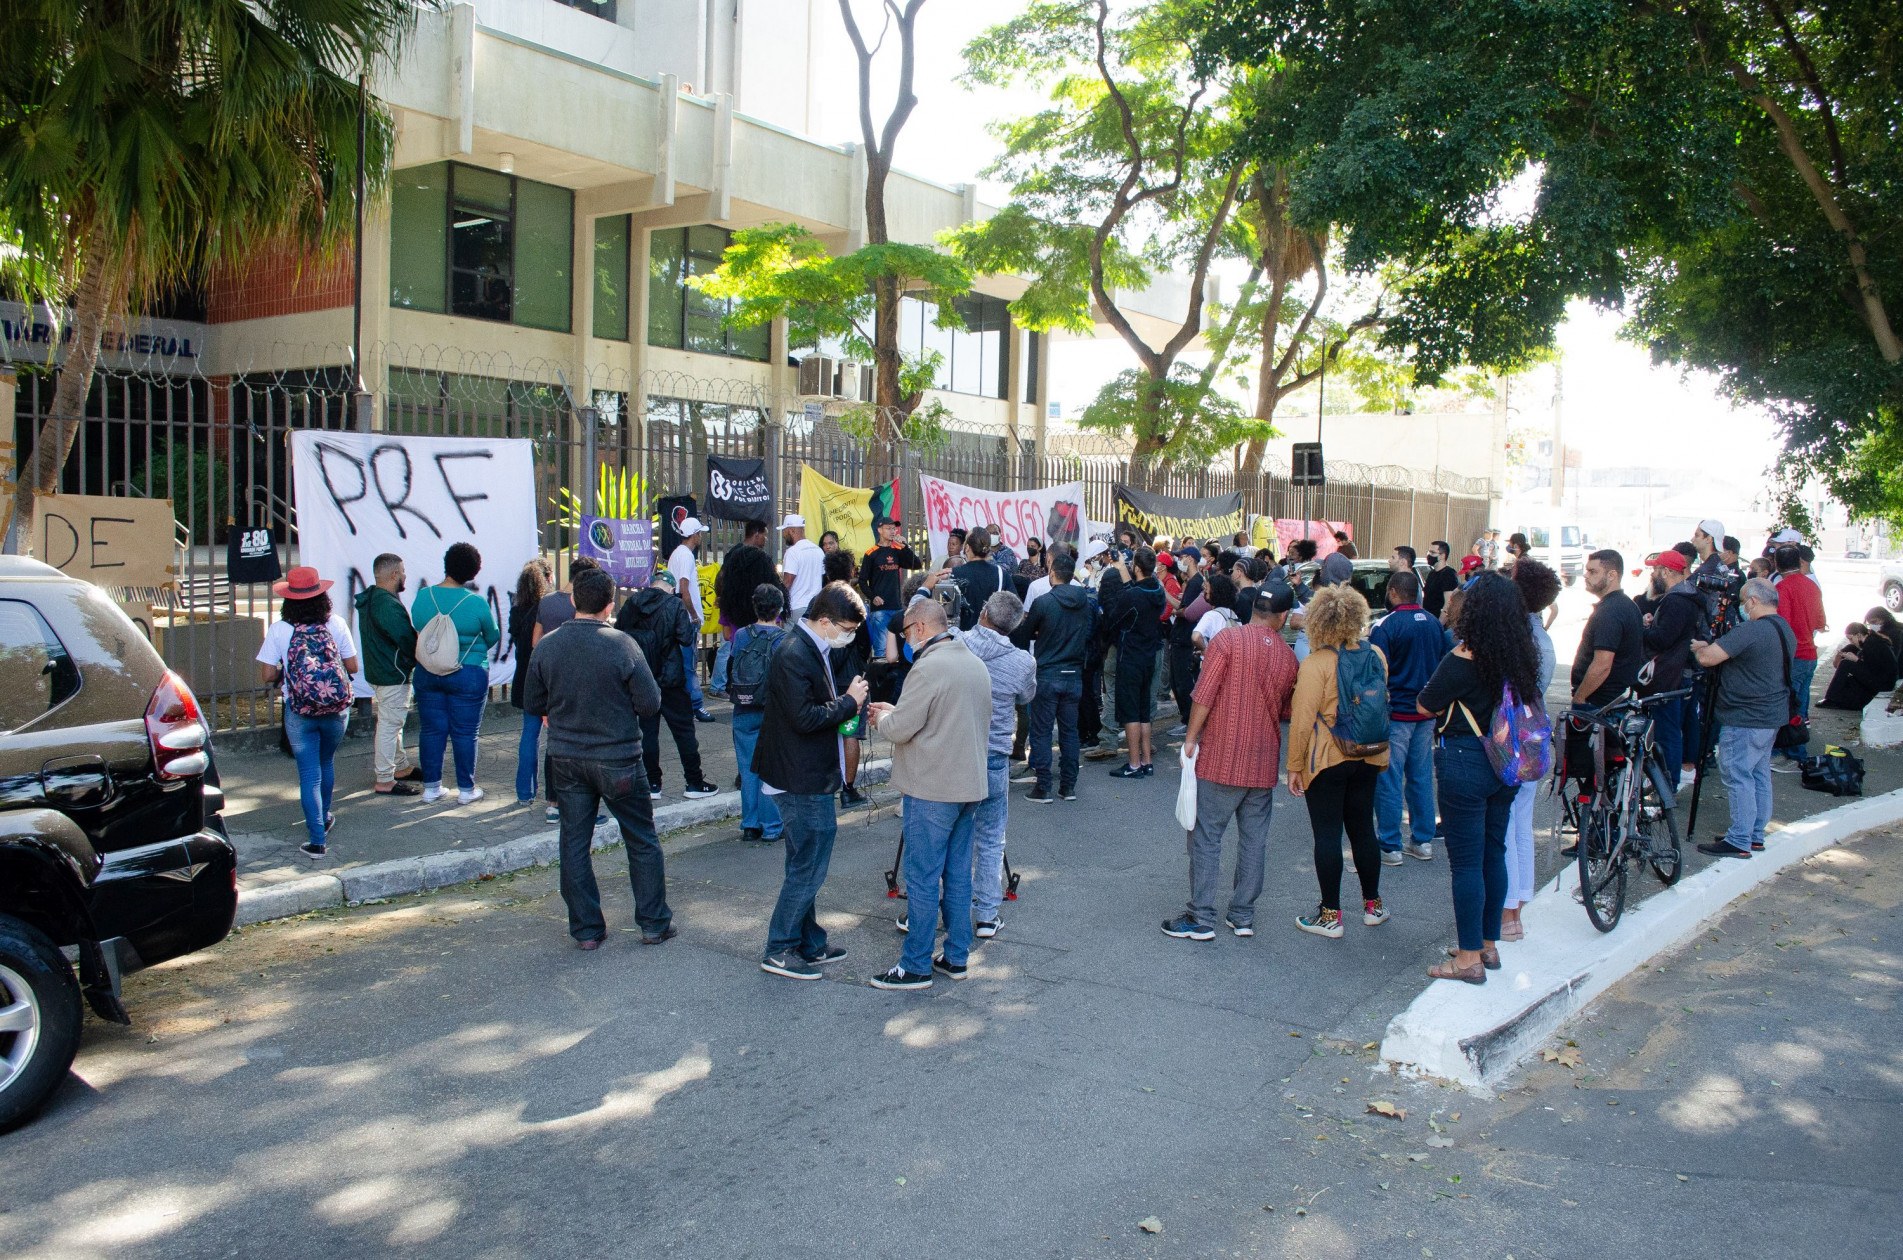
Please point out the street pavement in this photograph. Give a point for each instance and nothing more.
(448, 1075)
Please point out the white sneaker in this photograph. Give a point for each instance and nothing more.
(470, 797)
(1391, 857)
(432, 792)
(1686, 778)
(1783, 765)
(1424, 851)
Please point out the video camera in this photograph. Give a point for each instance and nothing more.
(1721, 586)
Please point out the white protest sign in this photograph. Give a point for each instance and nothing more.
(1051, 515)
(362, 494)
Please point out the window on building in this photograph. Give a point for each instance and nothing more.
(972, 359)
(473, 242)
(604, 9)
(612, 236)
(682, 317)
(1033, 348)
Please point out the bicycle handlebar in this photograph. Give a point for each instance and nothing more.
(1618, 708)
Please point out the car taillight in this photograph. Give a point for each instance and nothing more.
(177, 730)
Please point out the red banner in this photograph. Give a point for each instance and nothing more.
(1323, 532)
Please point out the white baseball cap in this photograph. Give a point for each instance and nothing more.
(1712, 529)
(1092, 549)
(690, 527)
(793, 521)
(1787, 536)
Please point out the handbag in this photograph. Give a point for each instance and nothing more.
(1796, 732)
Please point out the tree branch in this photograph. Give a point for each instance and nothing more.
(1839, 167)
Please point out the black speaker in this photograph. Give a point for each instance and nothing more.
(1305, 464)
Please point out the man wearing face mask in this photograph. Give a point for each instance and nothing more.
(1442, 579)
(801, 762)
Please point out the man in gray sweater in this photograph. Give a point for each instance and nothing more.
(593, 686)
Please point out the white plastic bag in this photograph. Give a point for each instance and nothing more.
(1186, 793)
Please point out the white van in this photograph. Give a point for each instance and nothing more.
(1574, 544)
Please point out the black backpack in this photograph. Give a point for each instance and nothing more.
(747, 666)
(652, 638)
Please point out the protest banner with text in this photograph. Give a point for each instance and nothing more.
(1152, 515)
(625, 549)
(359, 495)
(1322, 532)
(846, 510)
(1052, 515)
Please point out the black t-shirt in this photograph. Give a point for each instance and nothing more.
(1181, 627)
(1456, 682)
(980, 580)
(1245, 603)
(1441, 582)
(1615, 627)
(882, 573)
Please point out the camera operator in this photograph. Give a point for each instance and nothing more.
(1753, 702)
(1719, 581)
(1674, 621)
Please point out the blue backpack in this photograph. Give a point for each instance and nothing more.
(1519, 739)
(1361, 709)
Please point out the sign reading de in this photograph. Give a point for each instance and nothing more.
(1052, 515)
(359, 495)
(124, 543)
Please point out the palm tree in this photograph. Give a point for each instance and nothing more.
(144, 141)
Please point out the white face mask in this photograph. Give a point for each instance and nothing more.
(839, 639)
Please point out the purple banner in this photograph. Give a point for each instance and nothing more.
(624, 548)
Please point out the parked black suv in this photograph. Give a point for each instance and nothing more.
(112, 852)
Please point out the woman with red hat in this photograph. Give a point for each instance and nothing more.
(309, 652)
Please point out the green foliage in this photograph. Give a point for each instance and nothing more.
(1198, 421)
(1724, 171)
(197, 482)
(619, 494)
(783, 270)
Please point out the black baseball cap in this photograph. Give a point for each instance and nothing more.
(1272, 598)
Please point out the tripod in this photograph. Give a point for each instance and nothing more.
(892, 888)
(1707, 719)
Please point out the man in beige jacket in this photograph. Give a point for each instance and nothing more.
(938, 731)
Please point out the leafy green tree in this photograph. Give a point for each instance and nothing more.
(144, 141)
(1726, 171)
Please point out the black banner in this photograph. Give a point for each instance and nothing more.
(1153, 514)
(672, 511)
(251, 557)
(737, 489)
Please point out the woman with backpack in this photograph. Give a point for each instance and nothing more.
(310, 652)
(530, 586)
(455, 631)
(1495, 651)
(1337, 749)
(747, 664)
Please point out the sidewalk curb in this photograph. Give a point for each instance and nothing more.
(1475, 1035)
(400, 877)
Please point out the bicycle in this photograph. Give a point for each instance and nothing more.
(1625, 820)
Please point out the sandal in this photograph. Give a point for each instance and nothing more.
(1512, 931)
(1448, 971)
(1489, 958)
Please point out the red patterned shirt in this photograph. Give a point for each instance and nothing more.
(1247, 682)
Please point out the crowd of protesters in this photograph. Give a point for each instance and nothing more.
(986, 669)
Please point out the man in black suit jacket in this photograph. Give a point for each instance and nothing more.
(801, 761)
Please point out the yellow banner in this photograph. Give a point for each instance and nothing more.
(709, 610)
(846, 510)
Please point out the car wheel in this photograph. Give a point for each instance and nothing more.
(40, 1019)
(1893, 596)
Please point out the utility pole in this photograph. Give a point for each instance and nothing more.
(1554, 547)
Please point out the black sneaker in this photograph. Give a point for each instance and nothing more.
(1067, 793)
(1721, 848)
(330, 825)
(1127, 771)
(700, 791)
(661, 937)
(752, 835)
(955, 970)
(1570, 852)
(790, 965)
(899, 978)
(984, 931)
(1149, 770)
(830, 954)
(315, 852)
(852, 798)
(1041, 795)
(654, 791)
(702, 715)
(1184, 928)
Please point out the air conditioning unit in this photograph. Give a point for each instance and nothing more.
(819, 376)
(855, 382)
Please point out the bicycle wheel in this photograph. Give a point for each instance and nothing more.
(1658, 838)
(1602, 871)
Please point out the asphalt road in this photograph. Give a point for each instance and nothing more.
(447, 1075)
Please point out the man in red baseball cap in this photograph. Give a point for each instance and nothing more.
(1669, 630)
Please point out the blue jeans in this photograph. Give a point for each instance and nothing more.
(717, 683)
(811, 828)
(690, 657)
(1744, 761)
(938, 844)
(1668, 730)
(1409, 776)
(527, 757)
(1802, 672)
(987, 880)
(1060, 692)
(876, 623)
(314, 743)
(757, 808)
(1475, 808)
(581, 787)
(449, 712)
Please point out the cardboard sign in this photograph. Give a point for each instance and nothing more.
(112, 541)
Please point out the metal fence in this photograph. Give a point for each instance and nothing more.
(219, 448)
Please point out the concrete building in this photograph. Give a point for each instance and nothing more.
(562, 168)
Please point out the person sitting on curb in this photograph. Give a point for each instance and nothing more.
(593, 686)
(939, 731)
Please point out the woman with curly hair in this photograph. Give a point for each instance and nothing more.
(1539, 590)
(310, 654)
(1496, 648)
(1337, 782)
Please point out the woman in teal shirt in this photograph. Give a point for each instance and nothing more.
(449, 706)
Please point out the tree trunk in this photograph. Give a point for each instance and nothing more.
(93, 302)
